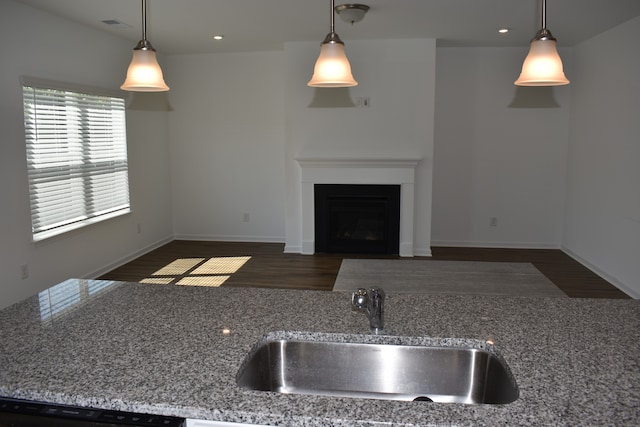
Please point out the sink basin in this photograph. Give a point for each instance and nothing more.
(451, 373)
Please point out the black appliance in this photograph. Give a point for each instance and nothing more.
(25, 413)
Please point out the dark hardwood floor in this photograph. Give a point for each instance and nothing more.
(269, 267)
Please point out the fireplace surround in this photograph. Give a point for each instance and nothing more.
(370, 171)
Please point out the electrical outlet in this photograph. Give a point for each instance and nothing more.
(24, 271)
(245, 217)
(493, 221)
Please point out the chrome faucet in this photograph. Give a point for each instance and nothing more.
(370, 301)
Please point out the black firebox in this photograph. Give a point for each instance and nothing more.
(354, 218)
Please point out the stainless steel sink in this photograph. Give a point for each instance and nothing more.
(450, 374)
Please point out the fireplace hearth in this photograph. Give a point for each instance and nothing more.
(357, 218)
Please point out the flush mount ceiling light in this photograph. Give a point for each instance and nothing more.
(144, 73)
(332, 68)
(351, 13)
(542, 66)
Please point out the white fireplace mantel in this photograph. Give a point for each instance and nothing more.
(398, 171)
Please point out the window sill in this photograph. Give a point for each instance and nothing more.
(44, 235)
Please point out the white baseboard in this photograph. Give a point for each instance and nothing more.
(422, 252)
(633, 293)
(496, 245)
(229, 238)
(127, 258)
(290, 249)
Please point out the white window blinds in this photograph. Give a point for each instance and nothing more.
(76, 157)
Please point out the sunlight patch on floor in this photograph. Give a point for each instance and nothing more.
(198, 271)
(179, 266)
(221, 265)
(213, 281)
(157, 280)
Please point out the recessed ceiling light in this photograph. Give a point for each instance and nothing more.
(504, 30)
(218, 37)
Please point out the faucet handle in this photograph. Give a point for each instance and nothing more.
(360, 298)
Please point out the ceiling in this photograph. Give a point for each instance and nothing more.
(188, 26)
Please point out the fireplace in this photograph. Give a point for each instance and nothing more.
(365, 171)
(356, 218)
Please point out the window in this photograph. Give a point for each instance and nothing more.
(76, 156)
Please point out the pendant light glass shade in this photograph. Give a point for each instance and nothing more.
(144, 73)
(542, 66)
(332, 68)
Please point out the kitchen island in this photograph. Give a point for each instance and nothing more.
(175, 350)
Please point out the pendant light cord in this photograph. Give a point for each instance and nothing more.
(333, 26)
(332, 37)
(144, 44)
(144, 19)
(544, 14)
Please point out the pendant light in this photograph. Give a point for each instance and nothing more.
(144, 73)
(542, 66)
(332, 68)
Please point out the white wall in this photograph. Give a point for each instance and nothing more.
(398, 76)
(227, 146)
(500, 151)
(38, 44)
(602, 224)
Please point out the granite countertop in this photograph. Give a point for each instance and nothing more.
(161, 349)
